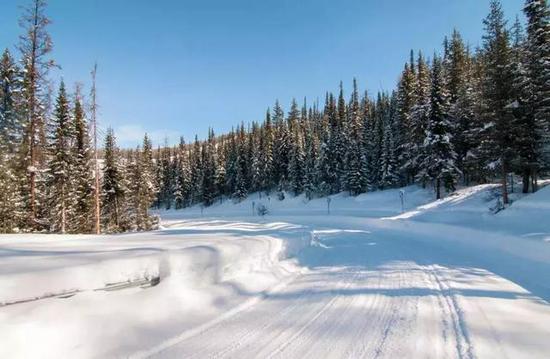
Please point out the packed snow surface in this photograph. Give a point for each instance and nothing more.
(375, 278)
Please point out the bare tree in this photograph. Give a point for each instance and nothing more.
(97, 210)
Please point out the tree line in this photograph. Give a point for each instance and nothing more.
(462, 116)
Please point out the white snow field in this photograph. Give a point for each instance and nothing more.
(445, 279)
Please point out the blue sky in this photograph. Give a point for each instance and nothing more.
(172, 67)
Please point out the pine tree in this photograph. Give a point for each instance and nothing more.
(82, 173)
(147, 186)
(240, 190)
(35, 46)
(266, 154)
(183, 173)
(255, 147)
(419, 118)
(114, 187)
(438, 163)
(297, 162)
(456, 69)
(332, 149)
(525, 158)
(311, 142)
(406, 100)
(477, 135)
(296, 154)
(538, 67)
(281, 148)
(10, 92)
(209, 170)
(497, 92)
(221, 171)
(324, 166)
(355, 175)
(388, 161)
(11, 202)
(60, 182)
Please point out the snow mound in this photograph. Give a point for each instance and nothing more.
(464, 205)
(528, 216)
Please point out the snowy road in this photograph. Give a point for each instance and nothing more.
(368, 295)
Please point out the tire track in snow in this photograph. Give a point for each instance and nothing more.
(310, 321)
(202, 328)
(451, 309)
(242, 338)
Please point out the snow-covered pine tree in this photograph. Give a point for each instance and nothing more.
(10, 101)
(208, 153)
(419, 117)
(11, 202)
(478, 138)
(297, 162)
(255, 147)
(241, 186)
(334, 145)
(266, 154)
(311, 143)
(388, 160)
(166, 188)
(460, 112)
(296, 173)
(538, 65)
(182, 184)
(525, 159)
(61, 196)
(82, 173)
(406, 100)
(376, 137)
(281, 147)
(114, 188)
(147, 186)
(497, 86)
(220, 175)
(338, 142)
(355, 170)
(323, 166)
(132, 168)
(231, 163)
(438, 163)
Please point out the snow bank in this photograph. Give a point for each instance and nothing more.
(529, 217)
(204, 270)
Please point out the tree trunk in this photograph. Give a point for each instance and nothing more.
(63, 218)
(525, 179)
(505, 199)
(438, 188)
(534, 177)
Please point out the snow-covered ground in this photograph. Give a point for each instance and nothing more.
(444, 279)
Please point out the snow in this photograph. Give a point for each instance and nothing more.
(441, 279)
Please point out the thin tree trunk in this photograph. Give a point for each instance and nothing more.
(116, 212)
(526, 180)
(534, 176)
(63, 218)
(32, 117)
(97, 211)
(505, 199)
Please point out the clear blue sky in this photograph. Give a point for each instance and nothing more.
(173, 67)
